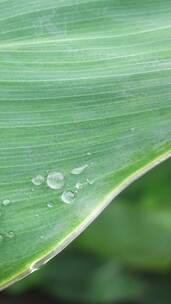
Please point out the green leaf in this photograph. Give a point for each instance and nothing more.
(84, 86)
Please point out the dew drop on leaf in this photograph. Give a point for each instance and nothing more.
(90, 182)
(6, 202)
(67, 197)
(55, 180)
(10, 234)
(50, 205)
(79, 170)
(78, 185)
(88, 153)
(38, 180)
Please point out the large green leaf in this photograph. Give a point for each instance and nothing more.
(83, 85)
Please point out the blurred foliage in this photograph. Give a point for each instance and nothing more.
(86, 278)
(124, 255)
(136, 228)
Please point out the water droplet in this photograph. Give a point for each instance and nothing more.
(33, 269)
(1, 237)
(88, 153)
(50, 205)
(90, 182)
(10, 234)
(78, 185)
(6, 202)
(38, 180)
(79, 169)
(67, 197)
(55, 180)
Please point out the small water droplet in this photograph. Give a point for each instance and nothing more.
(88, 153)
(50, 205)
(38, 180)
(79, 170)
(6, 202)
(90, 182)
(1, 237)
(10, 234)
(78, 185)
(33, 269)
(55, 180)
(67, 197)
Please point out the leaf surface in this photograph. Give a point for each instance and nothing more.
(85, 94)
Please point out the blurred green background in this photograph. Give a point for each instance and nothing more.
(123, 257)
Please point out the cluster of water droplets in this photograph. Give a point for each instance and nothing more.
(55, 180)
(8, 234)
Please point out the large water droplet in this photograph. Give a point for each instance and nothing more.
(6, 202)
(10, 234)
(38, 180)
(79, 170)
(55, 180)
(67, 197)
